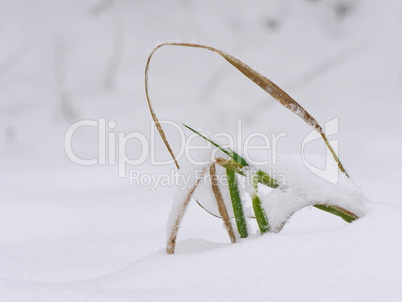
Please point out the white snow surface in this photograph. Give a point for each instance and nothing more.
(351, 261)
(81, 233)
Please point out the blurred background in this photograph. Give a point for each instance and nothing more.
(65, 61)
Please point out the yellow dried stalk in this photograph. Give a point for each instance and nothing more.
(267, 85)
(221, 205)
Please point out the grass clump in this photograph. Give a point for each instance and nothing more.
(236, 164)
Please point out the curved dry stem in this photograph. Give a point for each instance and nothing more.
(221, 205)
(340, 166)
(267, 85)
(173, 235)
(154, 117)
(218, 216)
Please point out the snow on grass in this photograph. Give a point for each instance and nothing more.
(303, 188)
(300, 188)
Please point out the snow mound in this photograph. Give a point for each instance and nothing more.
(304, 188)
(345, 264)
(299, 188)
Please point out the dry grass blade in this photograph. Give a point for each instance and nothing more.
(334, 154)
(173, 235)
(221, 205)
(267, 85)
(154, 117)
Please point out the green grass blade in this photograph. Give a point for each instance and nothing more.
(345, 215)
(267, 180)
(260, 215)
(236, 157)
(259, 212)
(237, 205)
(261, 176)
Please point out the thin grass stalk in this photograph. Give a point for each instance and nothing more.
(221, 205)
(259, 212)
(238, 161)
(237, 204)
(232, 154)
(334, 154)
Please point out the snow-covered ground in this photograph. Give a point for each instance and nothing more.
(81, 233)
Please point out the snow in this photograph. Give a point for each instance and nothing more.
(281, 266)
(81, 233)
(304, 188)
